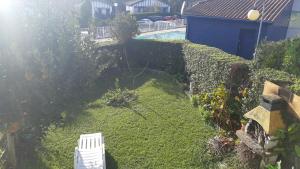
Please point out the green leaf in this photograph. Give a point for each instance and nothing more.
(297, 150)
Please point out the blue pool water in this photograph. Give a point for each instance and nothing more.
(176, 35)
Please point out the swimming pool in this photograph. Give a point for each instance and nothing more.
(175, 35)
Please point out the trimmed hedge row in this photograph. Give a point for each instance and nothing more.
(282, 55)
(209, 67)
(159, 55)
(256, 84)
(206, 67)
(146, 15)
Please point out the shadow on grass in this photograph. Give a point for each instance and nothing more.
(161, 80)
(111, 163)
(76, 107)
(136, 112)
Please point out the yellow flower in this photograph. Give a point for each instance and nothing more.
(237, 98)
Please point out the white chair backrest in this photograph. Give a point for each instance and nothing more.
(90, 141)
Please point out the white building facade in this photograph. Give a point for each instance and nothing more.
(101, 9)
(147, 6)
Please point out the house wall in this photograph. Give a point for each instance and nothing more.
(130, 9)
(147, 5)
(102, 6)
(278, 30)
(296, 6)
(220, 33)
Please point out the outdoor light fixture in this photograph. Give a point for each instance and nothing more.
(115, 4)
(253, 14)
(183, 7)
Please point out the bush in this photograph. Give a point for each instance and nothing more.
(124, 27)
(159, 55)
(85, 14)
(146, 15)
(209, 67)
(291, 62)
(195, 100)
(295, 87)
(54, 68)
(282, 55)
(119, 97)
(271, 54)
(256, 85)
(223, 108)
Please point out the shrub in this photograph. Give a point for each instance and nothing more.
(124, 27)
(85, 13)
(256, 85)
(119, 97)
(296, 86)
(282, 55)
(146, 15)
(195, 100)
(271, 54)
(209, 67)
(291, 62)
(159, 55)
(224, 108)
(288, 144)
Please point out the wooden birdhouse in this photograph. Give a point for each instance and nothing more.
(268, 113)
(275, 101)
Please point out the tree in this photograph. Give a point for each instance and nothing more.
(85, 14)
(44, 64)
(174, 4)
(124, 27)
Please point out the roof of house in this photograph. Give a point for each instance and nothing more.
(237, 9)
(133, 2)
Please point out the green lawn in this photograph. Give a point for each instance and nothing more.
(159, 130)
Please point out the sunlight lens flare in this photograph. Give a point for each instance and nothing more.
(5, 5)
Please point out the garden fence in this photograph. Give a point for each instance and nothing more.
(104, 31)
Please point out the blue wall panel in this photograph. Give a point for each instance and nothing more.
(223, 34)
(279, 28)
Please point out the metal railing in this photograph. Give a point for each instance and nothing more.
(161, 25)
(104, 32)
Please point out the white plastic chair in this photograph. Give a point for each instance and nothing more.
(90, 153)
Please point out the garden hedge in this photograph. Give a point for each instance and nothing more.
(209, 67)
(160, 55)
(256, 84)
(281, 55)
(296, 86)
(271, 54)
(205, 67)
(146, 15)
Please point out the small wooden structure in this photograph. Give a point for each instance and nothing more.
(267, 118)
(292, 100)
